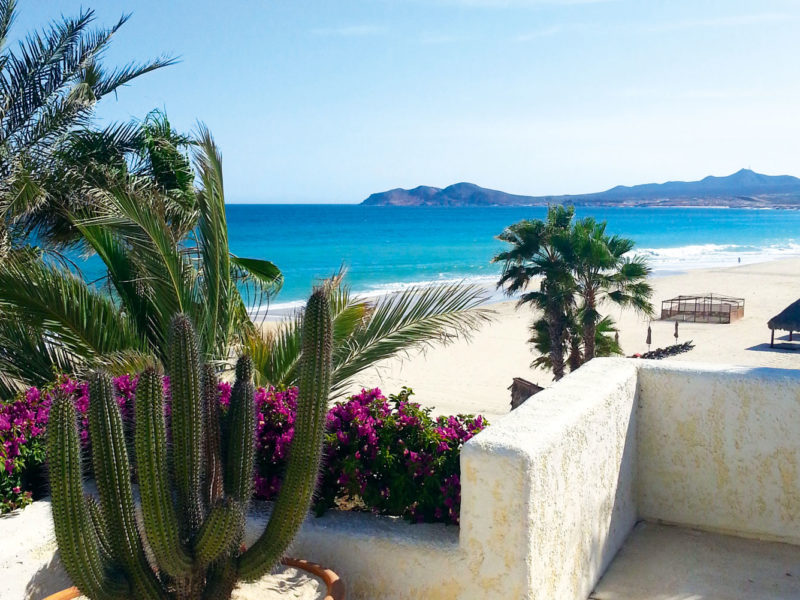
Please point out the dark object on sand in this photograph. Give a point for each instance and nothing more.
(787, 320)
(703, 308)
(660, 353)
(521, 390)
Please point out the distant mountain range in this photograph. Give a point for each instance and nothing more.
(743, 189)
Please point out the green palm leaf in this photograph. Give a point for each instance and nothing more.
(84, 322)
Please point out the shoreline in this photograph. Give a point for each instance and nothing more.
(277, 312)
(472, 377)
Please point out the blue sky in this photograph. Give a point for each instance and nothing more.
(329, 101)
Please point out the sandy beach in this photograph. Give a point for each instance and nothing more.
(473, 376)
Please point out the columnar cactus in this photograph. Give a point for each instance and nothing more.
(195, 491)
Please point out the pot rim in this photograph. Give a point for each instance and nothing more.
(333, 583)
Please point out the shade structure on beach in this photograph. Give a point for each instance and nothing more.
(703, 308)
(786, 320)
(649, 336)
(676, 331)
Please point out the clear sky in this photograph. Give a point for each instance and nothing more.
(331, 100)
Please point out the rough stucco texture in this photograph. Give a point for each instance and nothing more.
(548, 494)
(719, 449)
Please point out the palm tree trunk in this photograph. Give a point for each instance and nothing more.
(575, 357)
(590, 326)
(555, 323)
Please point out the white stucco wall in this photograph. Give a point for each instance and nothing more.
(719, 448)
(550, 491)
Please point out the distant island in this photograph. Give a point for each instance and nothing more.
(743, 189)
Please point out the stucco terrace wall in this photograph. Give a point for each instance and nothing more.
(550, 491)
(719, 448)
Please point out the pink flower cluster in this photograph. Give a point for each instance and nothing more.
(275, 414)
(385, 455)
(382, 454)
(23, 421)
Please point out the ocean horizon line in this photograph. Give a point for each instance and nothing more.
(517, 206)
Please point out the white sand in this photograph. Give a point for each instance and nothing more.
(286, 582)
(473, 377)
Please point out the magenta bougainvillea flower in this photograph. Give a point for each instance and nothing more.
(387, 455)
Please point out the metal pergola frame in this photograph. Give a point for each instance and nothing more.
(703, 308)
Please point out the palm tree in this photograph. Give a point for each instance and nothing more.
(158, 264)
(605, 342)
(86, 160)
(51, 319)
(49, 87)
(536, 253)
(603, 271)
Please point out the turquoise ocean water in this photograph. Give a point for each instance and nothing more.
(388, 248)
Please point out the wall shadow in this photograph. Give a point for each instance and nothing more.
(49, 579)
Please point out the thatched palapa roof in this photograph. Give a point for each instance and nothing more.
(788, 319)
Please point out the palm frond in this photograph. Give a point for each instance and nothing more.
(414, 319)
(137, 218)
(219, 290)
(7, 17)
(275, 351)
(120, 76)
(85, 322)
(142, 305)
(28, 356)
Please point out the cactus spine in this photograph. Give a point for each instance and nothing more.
(194, 498)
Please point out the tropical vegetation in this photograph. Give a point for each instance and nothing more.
(159, 261)
(386, 455)
(49, 87)
(149, 203)
(194, 484)
(382, 454)
(578, 267)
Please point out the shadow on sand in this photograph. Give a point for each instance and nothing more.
(49, 579)
(779, 347)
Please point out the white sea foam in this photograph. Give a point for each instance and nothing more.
(280, 310)
(704, 256)
(664, 261)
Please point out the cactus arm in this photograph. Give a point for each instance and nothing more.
(99, 524)
(77, 540)
(183, 364)
(241, 438)
(160, 521)
(220, 532)
(112, 474)
(213, 438)
(305, 453)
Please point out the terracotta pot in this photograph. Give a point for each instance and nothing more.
(331, 579)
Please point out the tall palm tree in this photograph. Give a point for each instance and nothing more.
(49, 86)
(536, 253)
(603, 271)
